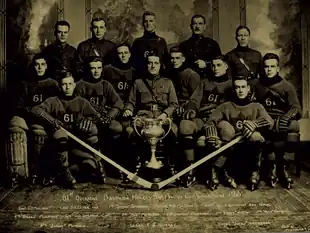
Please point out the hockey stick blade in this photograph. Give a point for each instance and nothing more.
(130, 175)
(157, 186)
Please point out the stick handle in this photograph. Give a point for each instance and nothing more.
(204, 159)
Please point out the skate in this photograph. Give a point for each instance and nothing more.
(70, 180)
(101, 173)
(273, 178)
(189, 179)
(288, 181)
(254, 180)
(214, 182)
(229, 180)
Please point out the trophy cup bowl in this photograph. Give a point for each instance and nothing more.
(152, 131)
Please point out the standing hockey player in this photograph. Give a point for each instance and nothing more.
(75, 114)
(148, 42)
(60, 55)
(199, 49)
(244, 61)
(154, 97)
(36, 89)
(97, 46)
(185, 81)
(239, 115)
(101, 94)
(280, 99)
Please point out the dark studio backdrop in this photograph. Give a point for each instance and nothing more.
(278, 26)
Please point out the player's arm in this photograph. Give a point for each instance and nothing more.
(79, 59)
(196, 97)
(132, 100)
(115, 101)
(172, 100)
(295, 108)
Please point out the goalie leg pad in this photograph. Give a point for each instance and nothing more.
(187, 127)
(60, 135)
(16, 153)
(19, 122)
(39, 139)
(226, 131)
(293, 127)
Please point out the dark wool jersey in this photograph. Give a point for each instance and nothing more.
(278, 98)
(211, 93)
(100, 94)
(35, 92)
(252, 58)
(185, 81)
(93, 47)
(121, 79)
(60, 57)
(143, 45)
(140, 97)
(69, 111)
(199, 47)
(235, 114)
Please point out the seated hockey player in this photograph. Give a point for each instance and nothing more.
(103, 97)
(75, 114)
(280, 99)
(239, 115)
(154, 96)
(35, 89)
(185, 81)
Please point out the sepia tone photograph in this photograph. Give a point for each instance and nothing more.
(154, 116)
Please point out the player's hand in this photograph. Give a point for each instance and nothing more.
(127, 113)
(201, 63)
(179, 111)
(283, 123)
(85, 125)
(248, 128)
(106, 119)
(214, 142)
(57, 124)
(189, 114)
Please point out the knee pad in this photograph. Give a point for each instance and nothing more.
(93, 130)
(293, 127)
(116, 127)
(17, 121)
(60, 135)
(92, 140)
(187, 127)
(129, 131)
(271, 157)
(39, 134)
(226, 131)
(257, 137)
(201, 142)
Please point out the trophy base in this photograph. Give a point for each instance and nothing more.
(157, 165)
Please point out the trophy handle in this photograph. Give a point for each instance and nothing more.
(135, 126)
(170, 126)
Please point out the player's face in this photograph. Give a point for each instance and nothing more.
(271, 67)
(40, 66)
(241, 88)
(177, 59)
(96, 69)
(124, 54)
(198, 26)
(62, 33)
(243, 37)
(149, 23)
(98, 29)
(67, 86)
(219, 67)
(153, 65)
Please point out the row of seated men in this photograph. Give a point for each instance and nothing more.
(206, 113)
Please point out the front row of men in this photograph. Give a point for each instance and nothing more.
(206, 114)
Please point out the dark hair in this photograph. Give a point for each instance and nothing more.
(94, 59)
(242, 27)
(269, 56)
(61, 23)
(176, 49)
(198, 16)
(153, 53)
(96, 19)
(64, 74)
(148, 13)
(38, 56)
(239, 77)
(124, 44)
(219, 57)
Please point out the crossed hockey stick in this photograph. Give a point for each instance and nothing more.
(145, 183)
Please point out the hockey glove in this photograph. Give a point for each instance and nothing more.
(85, 125)
(248, 128)
(283, 123)
(189, 114)
(179, 111)
(105, 119)
(57, 124)
(214, 142)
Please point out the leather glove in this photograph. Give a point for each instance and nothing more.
(105, 119)
(248, 128)
(179, 111)
(214, 142)
(282, 124)
(85, 125)
(189, 114)
(57, 124)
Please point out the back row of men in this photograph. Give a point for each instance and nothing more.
(208, 107)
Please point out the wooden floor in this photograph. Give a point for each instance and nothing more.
(115, 208)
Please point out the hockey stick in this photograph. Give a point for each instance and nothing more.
(157, 186)
(130, 175)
